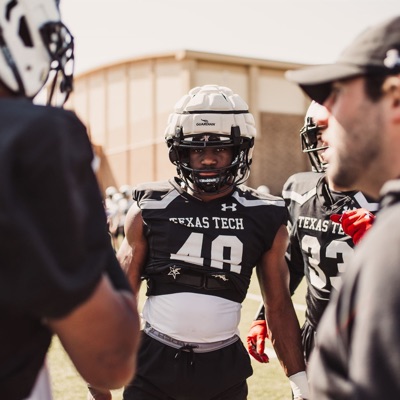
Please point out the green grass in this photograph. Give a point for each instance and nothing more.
(267, 382)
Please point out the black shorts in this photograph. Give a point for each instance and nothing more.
(308, 337)
(165, 373)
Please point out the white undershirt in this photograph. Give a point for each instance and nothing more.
(192, 317)
(42, 388)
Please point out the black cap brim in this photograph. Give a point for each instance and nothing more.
(317, 81)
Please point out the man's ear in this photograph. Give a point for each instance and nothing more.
(392, 88)
(396, 98)
(396, 92)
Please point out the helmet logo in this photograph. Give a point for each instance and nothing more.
(205, 123)
(205, 138)
(174, 271)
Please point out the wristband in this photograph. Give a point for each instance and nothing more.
(299, 385)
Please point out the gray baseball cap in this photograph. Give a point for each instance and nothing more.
(375, 51)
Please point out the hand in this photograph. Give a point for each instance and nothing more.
(97, 394)
(355, 222)
(256, 340)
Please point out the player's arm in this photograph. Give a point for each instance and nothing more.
(132, 253)
(101, 336)
(295, 262)
(284, 329)
(132, 256)
(258, 331)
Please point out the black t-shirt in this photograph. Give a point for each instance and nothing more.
(210, 247)
(53, 234)
(357, 356)
(318, 249)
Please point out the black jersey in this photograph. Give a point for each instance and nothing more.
(206, 247)
(318, 249)
(53, 234)
(357, 356)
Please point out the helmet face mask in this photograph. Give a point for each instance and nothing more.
(211, 116)
(60, 46)
(310, 136)
(223, 178)
(35, 45)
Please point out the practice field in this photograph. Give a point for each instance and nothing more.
(267, 382)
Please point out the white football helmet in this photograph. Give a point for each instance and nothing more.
(126, 190)
(211, 115)
(111, 191)
(34, 44)
(315, 121)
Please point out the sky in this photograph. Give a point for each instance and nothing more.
(299, 31)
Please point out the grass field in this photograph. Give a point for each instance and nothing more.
(267, 382)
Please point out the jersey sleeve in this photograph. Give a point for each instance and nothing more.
(55, 234)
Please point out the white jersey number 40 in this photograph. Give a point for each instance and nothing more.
(191, 251)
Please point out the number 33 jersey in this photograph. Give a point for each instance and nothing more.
(210, 247)
(318, 249)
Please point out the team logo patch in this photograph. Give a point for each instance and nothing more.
(174, 271)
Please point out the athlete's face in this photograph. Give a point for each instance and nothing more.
(210, 158)
(210, 164)
(355, 138)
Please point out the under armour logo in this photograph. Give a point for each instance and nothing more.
(224, 207)
(205, 138)
(174, 271)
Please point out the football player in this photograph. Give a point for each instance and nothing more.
(58, 272)
(319, 247)
(195, 239)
